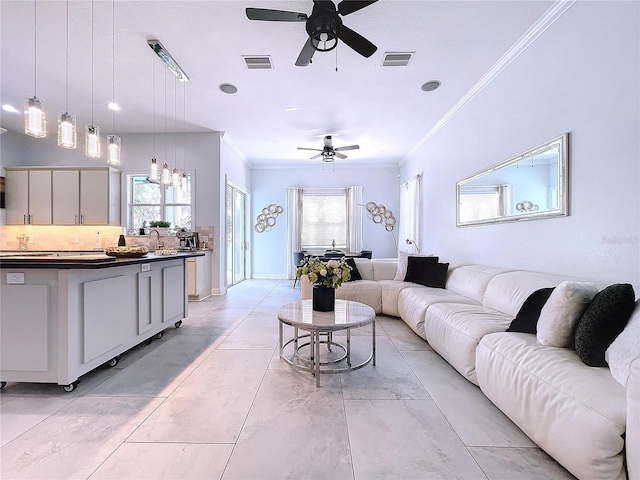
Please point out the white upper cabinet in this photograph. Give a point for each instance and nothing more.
(72, 196)
(28, 197)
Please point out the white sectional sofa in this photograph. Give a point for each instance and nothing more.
(578, 414)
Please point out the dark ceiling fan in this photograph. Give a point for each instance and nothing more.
(328, 152)
(324, 27)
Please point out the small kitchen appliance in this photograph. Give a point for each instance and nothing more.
(188, 240)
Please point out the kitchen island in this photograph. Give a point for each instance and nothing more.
(63, 316)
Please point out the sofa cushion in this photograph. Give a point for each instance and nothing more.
(355, 273)
(365, 267)
(426, 271)
(362, 291)
(413, 303)
(527, 318)
(624, 349)
(455, 329)
(508, 291)
(390, 293)
(383, 268)
(575, 413)
(471, 280)
(602, 321)
(560, 315)
(403, 259)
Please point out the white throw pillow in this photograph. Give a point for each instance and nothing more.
(560, 315)
(625, 348)
(403, 261)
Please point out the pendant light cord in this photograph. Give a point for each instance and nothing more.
(175, 115)
(66, 67)
(153, 74)
(92, 62)
(113, 63)
(35, 46)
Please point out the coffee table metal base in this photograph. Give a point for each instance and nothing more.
(323, 335)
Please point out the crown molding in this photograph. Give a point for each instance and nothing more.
(545, 21)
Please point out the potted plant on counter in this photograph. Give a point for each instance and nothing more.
(161, 225)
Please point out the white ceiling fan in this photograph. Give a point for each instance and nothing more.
(328, 152)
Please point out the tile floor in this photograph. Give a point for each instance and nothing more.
(212, 400)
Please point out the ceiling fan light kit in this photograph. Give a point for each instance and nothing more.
(324, 27)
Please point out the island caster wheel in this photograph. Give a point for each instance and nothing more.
(113, 362)
(178, 323)
(2, 385)
(148, 341)
(159, 335)
(71, 387)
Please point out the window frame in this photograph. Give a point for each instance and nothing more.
(130, 177)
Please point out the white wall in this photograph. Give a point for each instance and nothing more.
(580, 76)
(380, 185)
(234, 168)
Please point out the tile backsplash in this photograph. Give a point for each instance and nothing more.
(83, 237)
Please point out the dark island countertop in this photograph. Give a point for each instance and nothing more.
(81, 261)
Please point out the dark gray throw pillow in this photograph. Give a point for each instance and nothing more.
(527, 318)
(602, 321)
(355, 273)
(425, 271)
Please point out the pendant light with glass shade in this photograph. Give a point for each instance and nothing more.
(113, 141)
(67, 136)
(91, 130)
(35, 122)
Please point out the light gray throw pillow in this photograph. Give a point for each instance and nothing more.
(625, 348)
(560, 315)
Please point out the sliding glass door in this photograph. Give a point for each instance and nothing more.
(236, 221)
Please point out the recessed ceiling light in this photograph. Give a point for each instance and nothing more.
(10, 108)
(113, 106)
(228, 88)
(431, 86)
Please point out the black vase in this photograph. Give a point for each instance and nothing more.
(324, 298)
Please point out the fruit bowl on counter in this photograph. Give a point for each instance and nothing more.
(126, 252)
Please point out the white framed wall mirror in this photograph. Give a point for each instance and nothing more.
(530, 186)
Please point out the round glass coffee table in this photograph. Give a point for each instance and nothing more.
(346, 316)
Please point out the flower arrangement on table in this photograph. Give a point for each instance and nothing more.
(329, 273)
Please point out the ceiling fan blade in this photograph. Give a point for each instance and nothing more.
(349, 6)
(305, 54)
(340, 155)
(356, 41)
(275, 15)
(314, 149)
(348, 147)
(316, 156)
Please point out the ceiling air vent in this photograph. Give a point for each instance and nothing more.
(258, 63)
(397, 59)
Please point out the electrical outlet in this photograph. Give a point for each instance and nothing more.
(145, 267)
(15, 278)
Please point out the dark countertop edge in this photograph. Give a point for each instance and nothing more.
(60, 263)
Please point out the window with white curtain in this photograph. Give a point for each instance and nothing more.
(324, 219)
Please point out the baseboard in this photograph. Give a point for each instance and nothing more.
(270, 276)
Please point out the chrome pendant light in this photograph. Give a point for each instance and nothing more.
(113, 141)
(91, 130)
(35, 123)
(67, 136)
